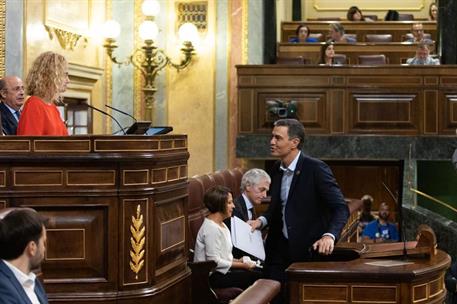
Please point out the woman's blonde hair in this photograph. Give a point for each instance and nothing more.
(47, 75)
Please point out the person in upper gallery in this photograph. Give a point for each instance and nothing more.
(302, 35)
(392, 15)
(12, 98)
(23, 246)
(214, 243)
(451, 283)
(380, 230)
(365, 216)
(307, 211)
(46, 80)
(418, 36)
(254, 186)
(423, 56)
(337, 34)
(433, 12)
(355, 14)
(327, 54)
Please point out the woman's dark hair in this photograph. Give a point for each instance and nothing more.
(17, 229)
(215, 199)
(430, 10)
(299, 27)
(323, 50)
(392, 15)
(351, 11)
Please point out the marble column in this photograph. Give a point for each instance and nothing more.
(447, 27)
(269, 41)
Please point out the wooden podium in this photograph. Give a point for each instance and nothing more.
(117, 209)
(386, 277)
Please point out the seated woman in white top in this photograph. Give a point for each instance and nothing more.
(214, 243)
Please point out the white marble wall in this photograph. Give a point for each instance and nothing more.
(255, 32)
(14, 38)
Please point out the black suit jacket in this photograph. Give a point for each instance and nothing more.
(315, 206)
(9, 122)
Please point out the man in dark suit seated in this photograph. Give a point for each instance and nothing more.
(22, 243)
(12, 98)
(254, 186)
(307, 210)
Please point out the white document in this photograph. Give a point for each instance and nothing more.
(244, 239)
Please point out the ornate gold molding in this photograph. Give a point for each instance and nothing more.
(2, 36)
(108, 72)
(137, 242)
(67, 40)
(245, 31)
(138, 82)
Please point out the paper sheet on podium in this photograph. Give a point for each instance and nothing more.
(244, 239)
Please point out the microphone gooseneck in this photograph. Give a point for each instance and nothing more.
(122, 112)
(107, 114)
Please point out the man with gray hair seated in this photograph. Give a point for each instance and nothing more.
(423, 56)
(254, 186)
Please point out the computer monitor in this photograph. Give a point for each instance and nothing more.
(158, 130)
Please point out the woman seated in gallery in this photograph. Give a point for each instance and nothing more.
(302, 35)
(214, 243)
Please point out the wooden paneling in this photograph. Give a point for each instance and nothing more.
(408, 100)
(356, 281)
(107, 199)
(395, 52)
(398, 29)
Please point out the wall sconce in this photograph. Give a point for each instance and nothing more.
(149, 59)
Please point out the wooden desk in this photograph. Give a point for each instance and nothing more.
(93, 189)
(397, 28)
(403, 100)
(421, 281)
(396, 53)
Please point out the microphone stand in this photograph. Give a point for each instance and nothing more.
(122, 112)
(107, 114)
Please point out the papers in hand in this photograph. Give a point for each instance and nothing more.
(244, 239)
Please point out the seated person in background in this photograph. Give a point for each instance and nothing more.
(302, 33)
(12, 98)
(433, 12)
(392, 15)
(380, 230)
(254, 186)
(337, 34)
(422, 56)
(214, 243)
(451, 283)
(327, 54)
(418, 34)
(355, 14)
(365, 215)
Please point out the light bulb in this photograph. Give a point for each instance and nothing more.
(111, 29)
(150, 7)
(188, 32)
(148, 30)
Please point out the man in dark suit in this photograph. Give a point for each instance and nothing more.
(307, 210)
(254, 186)
(22, 243)
(12, 98)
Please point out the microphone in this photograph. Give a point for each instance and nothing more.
(107, 114)
(122, 112)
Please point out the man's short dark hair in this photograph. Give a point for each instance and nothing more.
(295, 129)
(17, 229)
(215, 199)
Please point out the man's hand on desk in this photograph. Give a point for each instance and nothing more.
(255, 224)
(324, 245)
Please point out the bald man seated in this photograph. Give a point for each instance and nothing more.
(12, 97)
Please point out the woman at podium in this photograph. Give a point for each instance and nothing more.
(46, 80)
